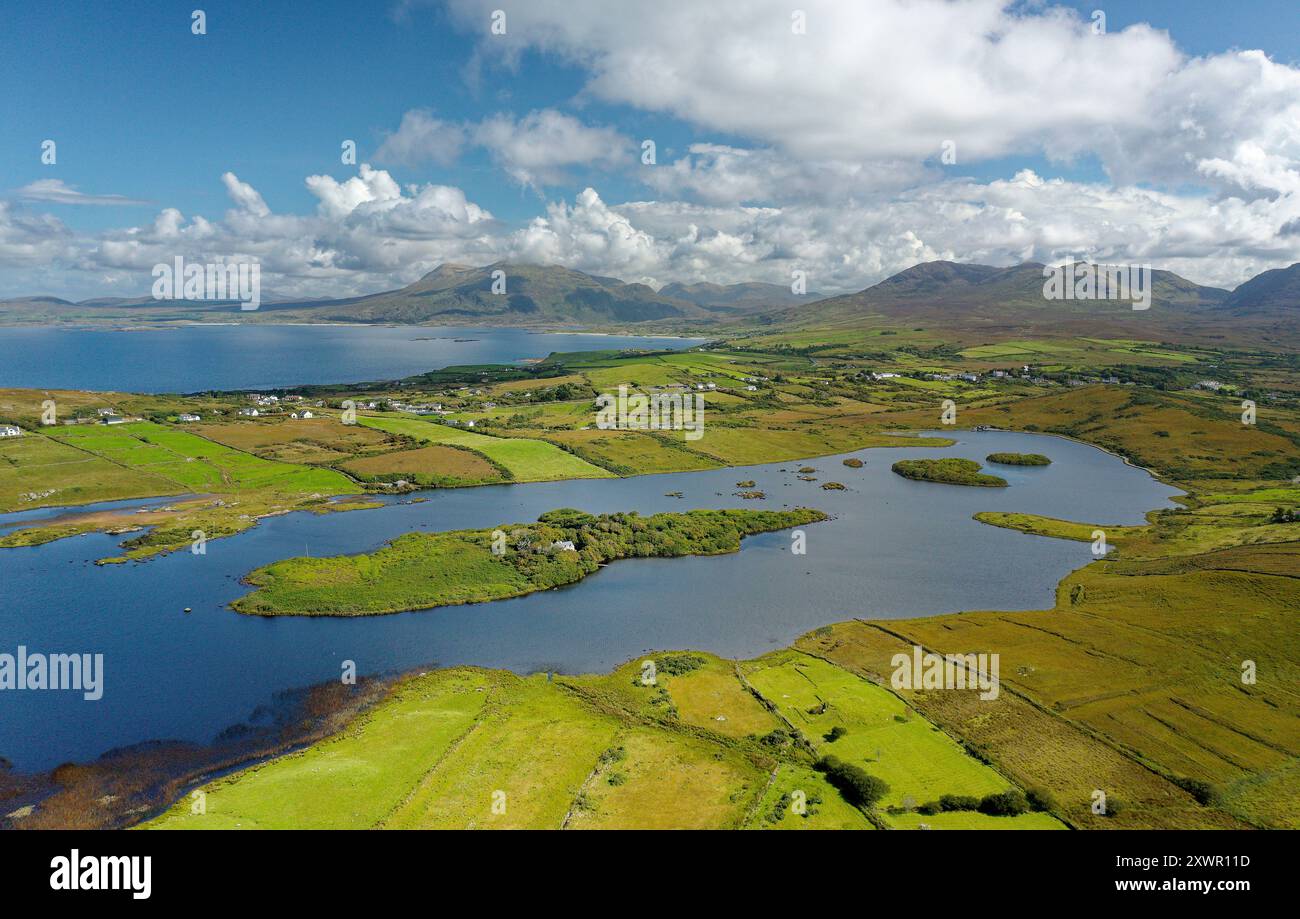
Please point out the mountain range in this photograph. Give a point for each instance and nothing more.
(963, 296)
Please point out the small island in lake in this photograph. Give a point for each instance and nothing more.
(423, 570)
(1019, 459)
(948, 472)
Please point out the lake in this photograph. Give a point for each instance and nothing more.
(196, 358)
(895, 548)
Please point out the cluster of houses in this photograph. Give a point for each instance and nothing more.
(250, 412)
(10, 430)
(429, 408)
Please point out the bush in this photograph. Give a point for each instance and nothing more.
(1009, 803)
(677, 664)
(853, 782)
(929, 808)
(1040, 799)
(836, 733)
(1203, 792)
(776, 738)
(959, 803)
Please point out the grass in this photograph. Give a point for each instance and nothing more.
(426, 570)
(415, 571)
(1019, 459)
(713, 697)
(949, 471)
(831, 812)
(1059, 529)
(303, 440)
(1185, 437)
(529, 755)
(354, 779)
(200, 465)
(526, 460)
(1132, 683)
(632, 452)
(431, 465)
(884, 735)
(667, 780)
(37, 471)
(468, 748)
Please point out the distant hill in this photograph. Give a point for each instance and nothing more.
(1276, 291)
(753, 296)
(545, 295)
(990, 298)
(533, 295)
(940, 294)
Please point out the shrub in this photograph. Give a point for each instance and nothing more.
(1203, 792)
(929, 808)
(853, 782)
(1040, 799)
(777, 738)
(836, 733)
(1009, 803)
(959, 803)
(677, 664)
(1019, 459)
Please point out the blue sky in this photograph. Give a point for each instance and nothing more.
(142, 108)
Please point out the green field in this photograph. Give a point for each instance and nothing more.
(36, 471)
(526, 460)
(354, 779)
(884, 736)
(425, 570)
(197, 464)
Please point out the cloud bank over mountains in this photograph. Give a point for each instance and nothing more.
(821, 151)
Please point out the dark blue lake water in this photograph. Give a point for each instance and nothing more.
(225, 357)
(895, 548)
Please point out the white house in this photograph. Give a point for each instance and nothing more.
(307, 414)
(751, 388)
(249, 412)
(564, 545)
(10, 430)
(188, 416)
